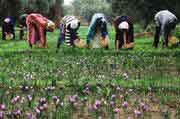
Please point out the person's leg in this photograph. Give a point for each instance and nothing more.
(21, 33)
(124, 37)
(31, 34)
(13, 34)
(166, 40)
(157, 37)
(117, 41)
(60, 39)
(107, 41)
(3, 31)
(42, 36)
(3, 35)
(167, 32)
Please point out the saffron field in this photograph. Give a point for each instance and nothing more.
(89, 83)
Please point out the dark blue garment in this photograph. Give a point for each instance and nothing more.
(8, 28)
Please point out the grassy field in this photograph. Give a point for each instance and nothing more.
(89, 83)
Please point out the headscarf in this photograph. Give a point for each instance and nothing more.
(97, 18)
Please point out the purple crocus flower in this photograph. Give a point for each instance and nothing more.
(143, 106)
(42, 100)
(1, 115)
(72, 99)
(121, 96)
(137, 113)
(28, 115)
(56, 100)
(124, 104)
(97, 104)
(113, 97)
(3, 107)
(116, 110)
(15, 100)
(43, 107)
(29, 97)
(37, 111)
(18, 113)
(112, 103)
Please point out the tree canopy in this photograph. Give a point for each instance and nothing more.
(144, 10)
(51, 8)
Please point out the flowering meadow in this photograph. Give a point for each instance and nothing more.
(89, 83)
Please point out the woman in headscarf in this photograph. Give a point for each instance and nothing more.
(8, 31)
(68, 31)
(124, 32)
(22, 26)
(37, 26)
(98, 32)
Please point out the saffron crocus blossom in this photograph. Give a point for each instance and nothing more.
(42, 100)
(112, 103)
(73, 99)
(3, 107)
(29, 97)
(18, 113)
(116, 110)
(29, 115)
(121, 96)
(37, 110)
(56, 100)
(137, 113)
(113, 97)
(143, 106)
(1, 115)
(15, 100)
(97, 104)
(125, 104)
(43, 107)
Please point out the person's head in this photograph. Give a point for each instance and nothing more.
(100, 24)
(50, 26)
(124, 26)
(74, 25)
(7, 20)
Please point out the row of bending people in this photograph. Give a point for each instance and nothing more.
(97, 35)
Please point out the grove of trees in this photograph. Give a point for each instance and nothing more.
(86, 8)
(51, 8)
(143, 11)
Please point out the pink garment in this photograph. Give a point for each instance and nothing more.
(36, 25)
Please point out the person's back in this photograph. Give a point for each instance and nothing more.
(165, 17)
(165, 23)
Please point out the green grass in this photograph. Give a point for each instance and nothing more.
(146, 67)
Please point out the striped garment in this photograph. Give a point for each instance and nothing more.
(67, 33)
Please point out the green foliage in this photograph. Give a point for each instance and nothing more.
(14, 8)
(86, 8)
(152, 77)
(143, 11)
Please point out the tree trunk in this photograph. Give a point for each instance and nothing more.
(57, 11)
